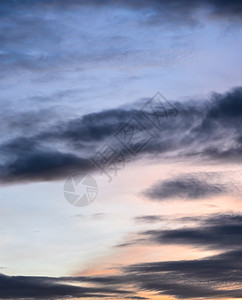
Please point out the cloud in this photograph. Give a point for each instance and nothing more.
(150, 219)
(44, 33)
(217, 276)
(198, 278)
(210, 130)
(215, 232)
(174, 8)
(43, 166)
(184, 187)
(202, 278)
(27, 287)
(67, 147)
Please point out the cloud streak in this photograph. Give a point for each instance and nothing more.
(215, 232)
(186, 188)
(15, 287)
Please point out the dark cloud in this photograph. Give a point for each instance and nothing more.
(184, 188)
(210, 130)
(216, 232)
(210, 277)
(174, 8)
(150, 219)
(38, 156)
(217, 276)
(18, 287)
(43, 166)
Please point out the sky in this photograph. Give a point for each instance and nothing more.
(120, 149)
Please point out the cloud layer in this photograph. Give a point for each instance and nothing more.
(174, 8)
(217, 276)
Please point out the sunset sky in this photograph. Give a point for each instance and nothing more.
(143, 98)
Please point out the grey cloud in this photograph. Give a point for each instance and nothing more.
(202, 278)
(212, 124)
(18, 287)
(216, 232)
(42, 166)
(217, 276)
(175, 8)
(184, 187)
(150, 219)
(39, 43)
